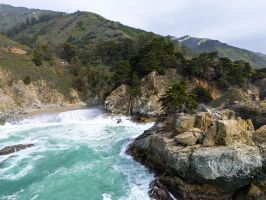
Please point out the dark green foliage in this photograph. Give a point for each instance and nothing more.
(69, 52)
(209, 67)
(178, 98)
(135, 85)
(157, 53)
(43, 53)
(37, 58)
(27, 80)
(259, 74)
(202, 95)
(31, 22)
(122, 73)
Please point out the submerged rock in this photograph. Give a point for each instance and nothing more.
(12, 149)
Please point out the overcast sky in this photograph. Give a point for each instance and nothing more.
(240, 23)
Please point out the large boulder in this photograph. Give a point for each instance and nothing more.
(187, 138)
(234, 130)
(185, 122)
(204, 120)
(229, 167)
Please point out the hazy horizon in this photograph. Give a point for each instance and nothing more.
(240, 23)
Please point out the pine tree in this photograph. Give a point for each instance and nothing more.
(178, 97)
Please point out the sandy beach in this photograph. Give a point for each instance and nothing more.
(62, 108)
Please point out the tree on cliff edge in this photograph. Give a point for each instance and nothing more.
(178, 97)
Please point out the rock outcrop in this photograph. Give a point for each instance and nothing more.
(147, 103)
(152, 88)
(118, 102)
(208, 155)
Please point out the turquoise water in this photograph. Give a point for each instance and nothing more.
(77, 155)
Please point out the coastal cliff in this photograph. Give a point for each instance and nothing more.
(208, 155)
(147, 102)
(16, 97)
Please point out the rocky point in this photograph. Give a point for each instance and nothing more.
(209, 155)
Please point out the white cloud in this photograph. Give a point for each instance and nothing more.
(238, 22)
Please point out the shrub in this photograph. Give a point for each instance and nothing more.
(27, 80)
(202, 95)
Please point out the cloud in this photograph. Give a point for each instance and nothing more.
(237, 22)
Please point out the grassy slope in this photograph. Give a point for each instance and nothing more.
(84, 26)
(21, 65)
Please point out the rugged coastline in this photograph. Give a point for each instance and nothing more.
(208, 155)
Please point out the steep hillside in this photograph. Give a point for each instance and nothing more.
(16, 60)
(202, 45)
(11, 16)
(83, 27)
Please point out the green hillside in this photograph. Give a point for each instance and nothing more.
(17, 59)
(202, 45)
(80, 27)
(11, 16)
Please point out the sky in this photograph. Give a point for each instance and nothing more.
(240, 23)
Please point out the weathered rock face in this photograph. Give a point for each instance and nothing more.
(158, 191)
(252, 110)
(147, 103)
(208, 155)
(229, 167)
(258, 185)
(185, 122)
(16, 96)
(214, 92)
(6, 102)
(152, 88)
(259, 138)
(187, 138)
(118, 102)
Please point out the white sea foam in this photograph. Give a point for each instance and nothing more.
(72, 130)
(107, 196)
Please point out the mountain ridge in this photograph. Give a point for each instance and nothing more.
(11, 16)
(206, 45)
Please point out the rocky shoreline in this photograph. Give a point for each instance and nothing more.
(209, 155)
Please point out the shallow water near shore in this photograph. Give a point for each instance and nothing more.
(77, 155)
